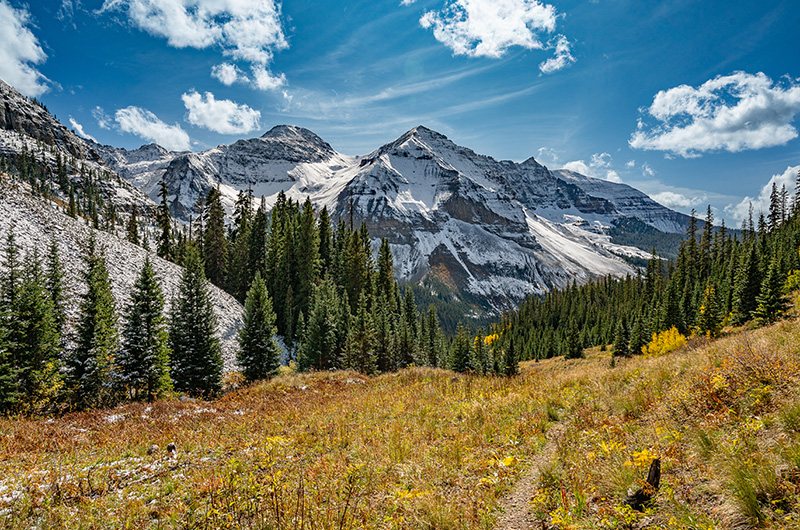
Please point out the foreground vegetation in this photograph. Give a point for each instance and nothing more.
(426, 448)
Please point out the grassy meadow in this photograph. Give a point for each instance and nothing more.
(426, 448)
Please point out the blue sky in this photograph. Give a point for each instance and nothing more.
(693, 102)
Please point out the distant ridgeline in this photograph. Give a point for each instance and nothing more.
(717, 279)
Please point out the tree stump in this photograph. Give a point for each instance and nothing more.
(643, 497)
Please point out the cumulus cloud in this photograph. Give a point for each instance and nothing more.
(731, 113)
(263, 79)
(79, 129)
(222, 116)
(20, 51)
(672, 199)
(245, 30)
(147, 126)
(630, 164)
(228, 74)
(599, 166)
(562, 57)
(760, 203)
(487, 28)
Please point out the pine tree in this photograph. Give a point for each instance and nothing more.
(36, 347)
(143, 365)
(708, 320)
(771, 302)
(319, 347)
(90, 365)
(9, 389)
(55, 285)
(132, 232)
(459, 352)
(215, 246)
(240, 277)
(621, 340)
(259, 353)
(165, 240)
(511, 358)
(385, 271)
(72, 210)
(637, 340)
(747, 286)
(196, 355)
(359, 352)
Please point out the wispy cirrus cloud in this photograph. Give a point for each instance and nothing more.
(79, 129)
(732, 113)
(562, 56)
(220, 115)
(20, 52)
(249, 31)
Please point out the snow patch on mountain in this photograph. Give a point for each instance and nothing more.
(35, 222)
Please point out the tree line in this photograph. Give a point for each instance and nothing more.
(718, 278)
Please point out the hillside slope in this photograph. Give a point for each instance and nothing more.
(35, 222)
(427, 448)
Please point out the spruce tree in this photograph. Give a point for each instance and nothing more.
(747, 286)
(359, 352)
(319, 347)
(259, 353)
(55, 285)
(708, 319)
(164, 218)
(143, 365)
(90, 365)
(132, 232)
(196, 360)
(36, 347)
(511, 358)
(771, 301)
(621, 340)
(215, 246)
(460, 349)
(637, 340)
(9, 388)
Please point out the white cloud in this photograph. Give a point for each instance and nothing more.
(228, 74)
(147, 126)
(547, 155)
(222, 116)
(562, 57)
(761, 203)
(601, 160)
(671, 199)
(599, 166)
(487, 28)
(630, 164)
(103, 119)
(19, 51)
(246, 30)
(732, 113)
(647, 170)
(79, 129)
(407, 2)
(263, 79)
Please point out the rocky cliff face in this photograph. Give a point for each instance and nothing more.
(27, 127)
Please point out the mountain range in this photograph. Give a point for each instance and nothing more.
(492, 230)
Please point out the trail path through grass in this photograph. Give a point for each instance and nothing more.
(516, 514)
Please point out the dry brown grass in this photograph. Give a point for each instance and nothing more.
(428, 449)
